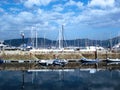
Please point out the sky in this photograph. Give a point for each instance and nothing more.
(94, 19)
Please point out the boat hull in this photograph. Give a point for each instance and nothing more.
(113, 60)
(91, 61)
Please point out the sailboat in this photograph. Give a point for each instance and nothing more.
(60, 44)
(115, 48)
(92, 61)
(85, 60)
(113, 60)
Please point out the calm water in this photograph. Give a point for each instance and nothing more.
(77, 79)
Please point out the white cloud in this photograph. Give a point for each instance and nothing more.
(73, 3)
(102, 3)
(58, 14)
(31, 3)
(25, 17)
(14, 9)
(39, 11)
(58, 8)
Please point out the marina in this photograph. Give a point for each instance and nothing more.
(59, 45)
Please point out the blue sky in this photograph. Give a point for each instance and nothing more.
(94, 19)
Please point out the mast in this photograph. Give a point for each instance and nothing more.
(44, 41)
(22, 34)
(36, 38)
(111, 42)
(61, 37)
(32, 37)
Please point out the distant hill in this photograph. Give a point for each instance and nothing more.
(77, 42)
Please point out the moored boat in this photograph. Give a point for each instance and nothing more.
(1, 61)
(113, 60)
(83, 60)
(46, 62)
(60, 62)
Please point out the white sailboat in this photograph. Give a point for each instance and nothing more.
(60, 46)
(89, 61)
(115, 48)
(113, 60)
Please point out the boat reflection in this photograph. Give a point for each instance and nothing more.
(60, 79)
(90, 70)
(113, 63)
(89, 63)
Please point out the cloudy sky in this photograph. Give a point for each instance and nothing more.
(94, 19)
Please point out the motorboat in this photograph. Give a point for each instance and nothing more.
(60, 62)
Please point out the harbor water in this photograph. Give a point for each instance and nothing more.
(60, 79)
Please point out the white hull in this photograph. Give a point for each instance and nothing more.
(89, 60)
(113, 60)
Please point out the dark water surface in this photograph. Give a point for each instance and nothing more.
(72, 79)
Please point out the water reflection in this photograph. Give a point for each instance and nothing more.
(61, 79)
(113, 63)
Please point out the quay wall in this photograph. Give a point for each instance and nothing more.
(27, 55)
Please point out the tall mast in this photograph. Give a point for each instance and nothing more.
(22, 34)
(36, 38)
(119, 37)
(32, 37)
(110, 42)
(61, 37)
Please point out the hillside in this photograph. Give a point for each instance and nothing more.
(77, 42)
